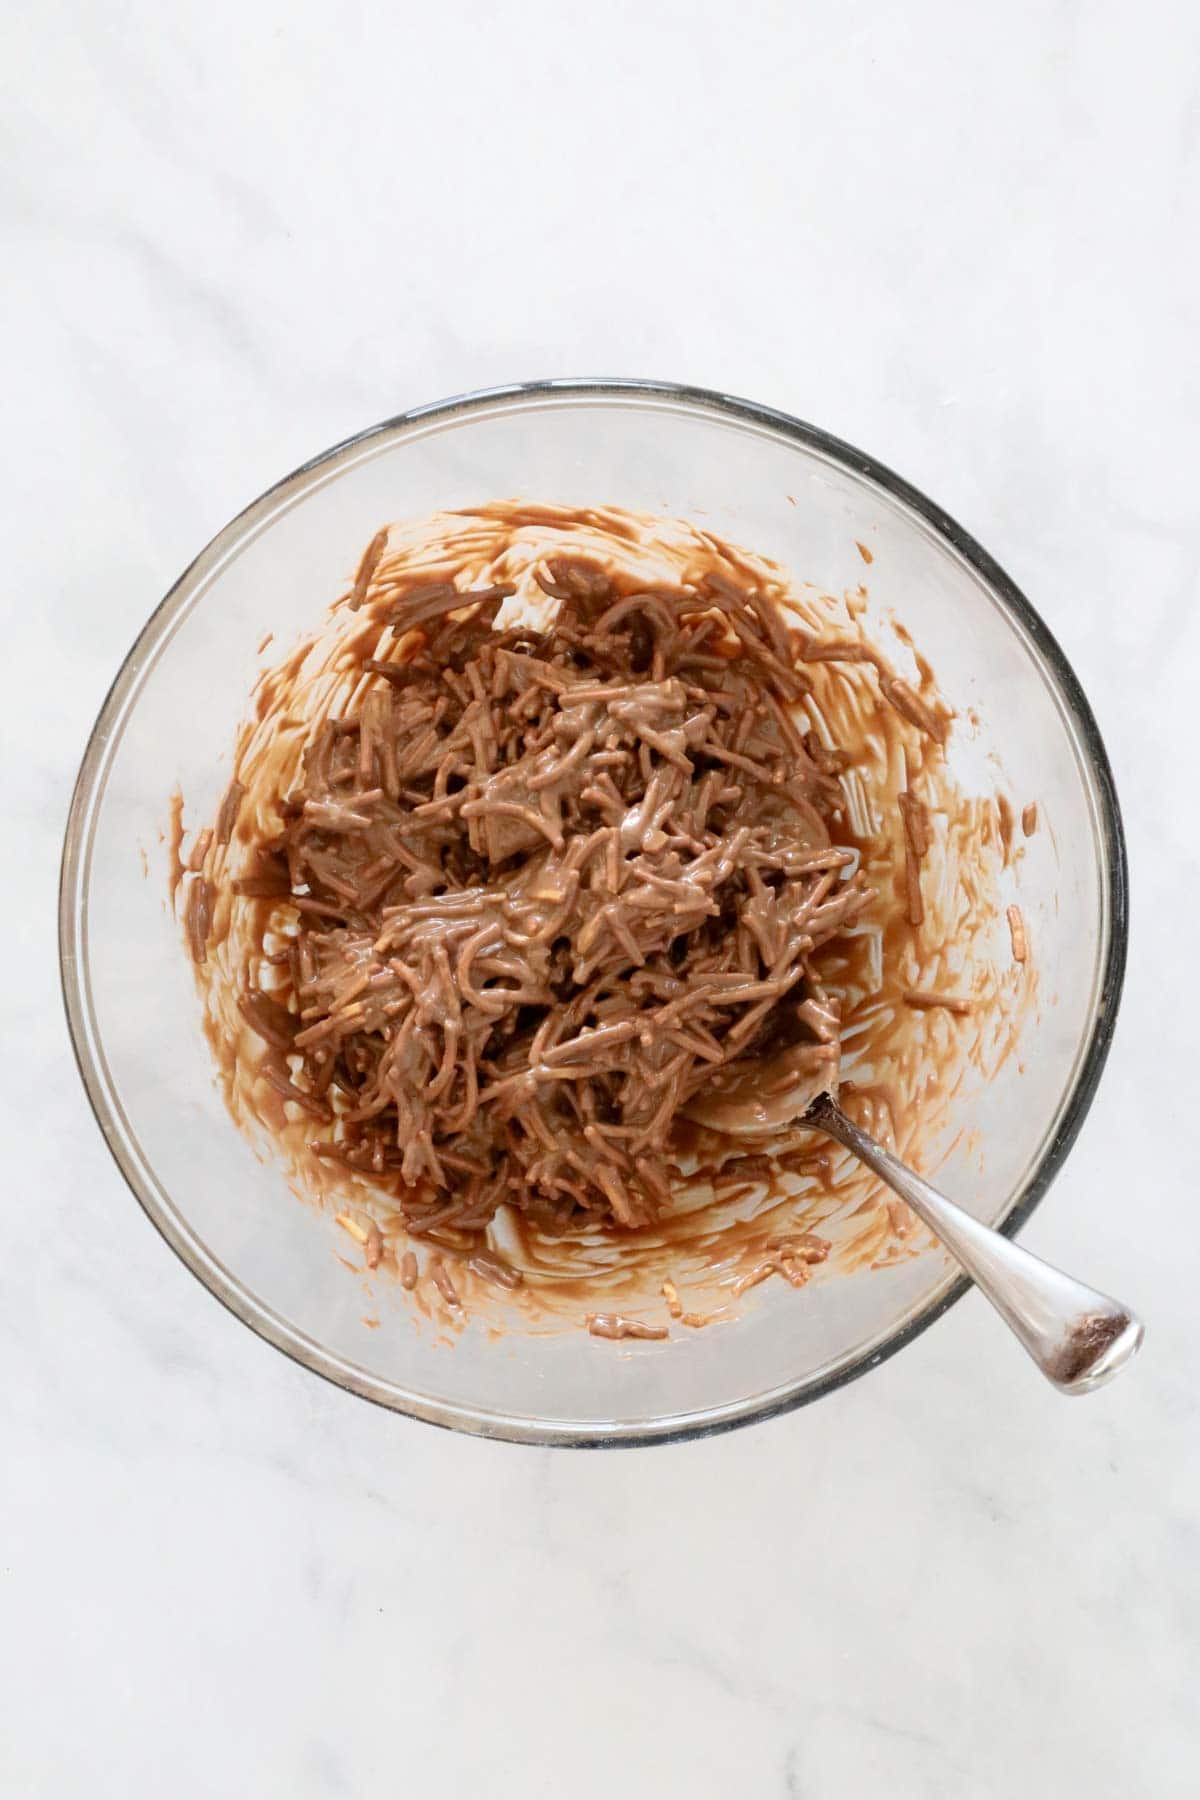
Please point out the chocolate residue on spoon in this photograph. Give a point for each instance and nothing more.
(1086, 1343)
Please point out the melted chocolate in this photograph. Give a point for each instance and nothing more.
(877, 733)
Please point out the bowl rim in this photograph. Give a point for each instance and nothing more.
(75, 869)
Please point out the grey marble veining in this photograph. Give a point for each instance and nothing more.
(962, 237)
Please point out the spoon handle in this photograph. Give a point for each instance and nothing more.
(1078, 1338)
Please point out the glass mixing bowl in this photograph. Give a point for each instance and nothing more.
(758, 478)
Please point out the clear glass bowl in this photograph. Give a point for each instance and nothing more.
(759, 478)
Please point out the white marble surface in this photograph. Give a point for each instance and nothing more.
(964, 237)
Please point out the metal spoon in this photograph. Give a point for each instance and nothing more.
(1078, 1338)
